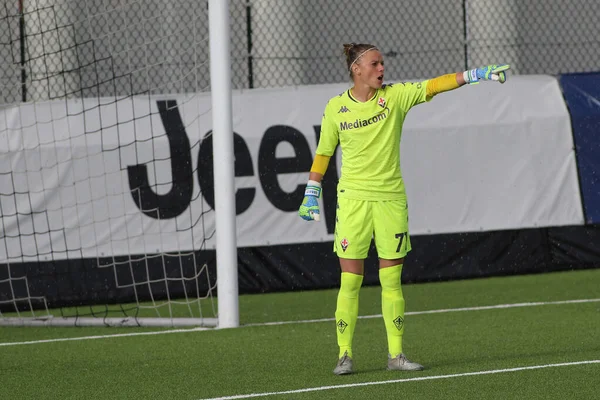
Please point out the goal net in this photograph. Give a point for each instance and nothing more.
(105, 121)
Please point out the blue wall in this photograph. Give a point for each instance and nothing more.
(582, 96)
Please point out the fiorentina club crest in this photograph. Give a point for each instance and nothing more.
(381, 102)
(342, 325)
(399, 322)
(344, 243)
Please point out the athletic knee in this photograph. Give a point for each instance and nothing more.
(350, 284)
(390, 278)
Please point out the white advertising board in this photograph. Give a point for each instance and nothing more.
(480, 158)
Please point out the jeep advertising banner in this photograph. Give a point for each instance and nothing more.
(107, 177)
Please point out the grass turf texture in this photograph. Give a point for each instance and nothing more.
(258, 359)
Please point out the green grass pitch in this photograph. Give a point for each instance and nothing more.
(468, 354)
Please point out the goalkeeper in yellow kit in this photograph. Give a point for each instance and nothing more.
(366, 120)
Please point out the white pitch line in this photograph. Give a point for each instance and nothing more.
(306, 321)
(421, 378)
(116, 335)
(440, 311)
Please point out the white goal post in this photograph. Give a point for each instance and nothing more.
(107, 117)
(224, 160)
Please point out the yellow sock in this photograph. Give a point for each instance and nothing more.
(346, 312)
(392, 307)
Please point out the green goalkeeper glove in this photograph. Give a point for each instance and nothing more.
(488, 73)
(309, 209)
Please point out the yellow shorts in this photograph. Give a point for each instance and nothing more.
(359, 221)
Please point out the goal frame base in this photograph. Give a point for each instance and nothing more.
(110, 322)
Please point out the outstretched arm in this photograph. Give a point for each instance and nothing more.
(448, 82)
